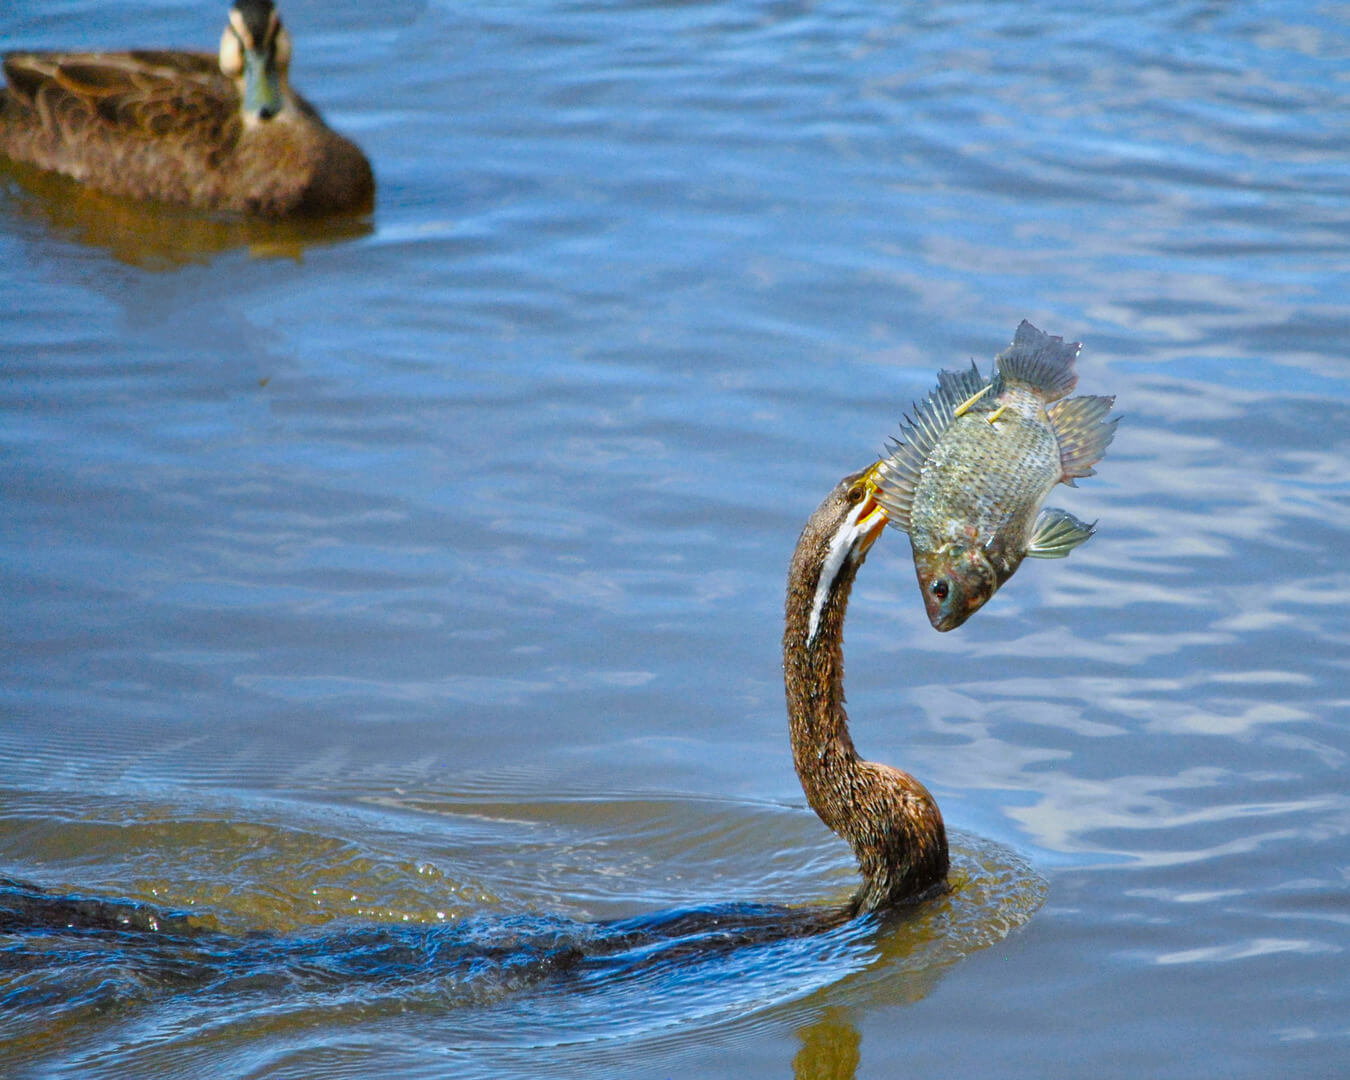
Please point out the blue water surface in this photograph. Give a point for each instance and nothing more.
(424, 574)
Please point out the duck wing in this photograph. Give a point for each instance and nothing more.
(153, 94)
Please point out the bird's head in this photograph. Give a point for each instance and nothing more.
(255, 52)
(846, 525)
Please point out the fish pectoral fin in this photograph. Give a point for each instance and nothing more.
(1082, 434)
(1057, 533)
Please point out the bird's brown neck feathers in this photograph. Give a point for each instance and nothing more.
(889, 818)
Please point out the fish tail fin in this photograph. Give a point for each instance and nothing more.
(1083, 436)
(1040, 362)
(1056, 533)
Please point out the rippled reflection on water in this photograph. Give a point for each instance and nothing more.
(158, 238)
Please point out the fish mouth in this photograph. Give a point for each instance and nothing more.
(942, 618)
(947, 616)
(948, 598)
(949, 620)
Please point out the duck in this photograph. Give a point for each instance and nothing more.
(221, 133)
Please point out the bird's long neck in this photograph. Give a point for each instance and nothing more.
(889, 818)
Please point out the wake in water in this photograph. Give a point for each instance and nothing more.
(71, 960)
(117, 988)
(121, 950)
(61, 951)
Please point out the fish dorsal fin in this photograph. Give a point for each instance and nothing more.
(899, 470)
(1040, 362)
(1083, 436)
(1057, 532)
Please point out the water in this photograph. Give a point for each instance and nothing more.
(422, 578)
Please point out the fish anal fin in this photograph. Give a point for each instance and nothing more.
(895, 493)
(1056, 533)
(1040, 362)
(1082, 433)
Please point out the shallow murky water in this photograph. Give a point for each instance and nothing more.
(378, 591)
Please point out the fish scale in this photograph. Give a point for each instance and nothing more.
(967, 477)
(983, 476)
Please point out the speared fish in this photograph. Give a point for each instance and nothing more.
(967, 476)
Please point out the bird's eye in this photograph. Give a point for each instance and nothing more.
(231, 54)
(282, 48)
(941, 589)
(855, 493)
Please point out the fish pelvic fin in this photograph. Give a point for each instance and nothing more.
(898, 472)
(1057, 532)
(1083, 435)
(1040, 362)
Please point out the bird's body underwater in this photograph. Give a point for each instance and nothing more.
(968, 476)
(966, 486)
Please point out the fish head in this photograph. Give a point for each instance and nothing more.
(956, 580)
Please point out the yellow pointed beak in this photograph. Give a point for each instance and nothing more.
(872, 515)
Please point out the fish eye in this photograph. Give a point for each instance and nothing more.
(940, 589)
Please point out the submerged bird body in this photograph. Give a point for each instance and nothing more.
(218, 133)
(968, 477)
(889, 818)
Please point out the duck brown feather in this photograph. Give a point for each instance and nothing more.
(167, 126)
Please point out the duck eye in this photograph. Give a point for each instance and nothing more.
(282, 47)
(941, 589)
(231, 54)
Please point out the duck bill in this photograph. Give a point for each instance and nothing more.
(262, 86)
